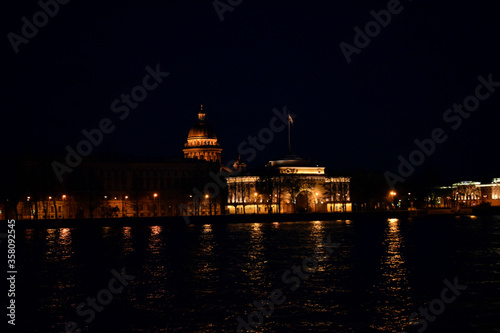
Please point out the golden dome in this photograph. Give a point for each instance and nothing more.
(201, 130)
(202, 142)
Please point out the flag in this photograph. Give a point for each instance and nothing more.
(290, 119)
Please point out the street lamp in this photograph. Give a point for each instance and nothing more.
(64, 204)
(154, 201)
(208, 202)
(124, 206)
(393, 194)
(255, 202)
(194, 206)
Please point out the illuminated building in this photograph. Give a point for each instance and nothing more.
(466, 194)
(491, 192)
(115, 188)
(120, 187)
(287, 185)
(202, 142)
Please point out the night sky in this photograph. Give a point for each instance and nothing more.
(349, 116)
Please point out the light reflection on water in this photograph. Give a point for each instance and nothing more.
(254, 262)
(156, 270)
(201, 278)
(394, 289)
(28, 235)
(127, 241)
(59, 244)
(59, 253)
(205, 266)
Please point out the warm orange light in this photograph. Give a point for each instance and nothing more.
(255, 194)
(50, 198)
(155, 195)
(206, 196)
(392, 193)
(64, 196)
(126, 197)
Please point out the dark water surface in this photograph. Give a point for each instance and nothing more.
(201, 278)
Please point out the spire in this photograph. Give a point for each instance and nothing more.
(290, 121)
(201, 114)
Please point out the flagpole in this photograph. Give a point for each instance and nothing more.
(289, 142)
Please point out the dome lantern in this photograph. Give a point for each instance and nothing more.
(201, 114)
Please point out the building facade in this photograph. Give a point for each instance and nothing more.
(107, 188)
(288, 185)
(118, 188)
(466, 194)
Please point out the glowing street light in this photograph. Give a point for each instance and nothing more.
(124, 207)
(255, 202)
(393, 194)
(154, 199)
(64, 204)
(209, 204)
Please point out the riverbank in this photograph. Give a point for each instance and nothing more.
(216, 219)
(248, 218)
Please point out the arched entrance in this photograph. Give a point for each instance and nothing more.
(302, 202)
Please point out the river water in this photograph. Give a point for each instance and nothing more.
(363, 275)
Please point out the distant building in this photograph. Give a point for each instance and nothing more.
(122, 187)
(466, 194)
(491, 192)
(287, 185)
(116, 188)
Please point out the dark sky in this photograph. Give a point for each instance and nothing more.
(263, 55)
